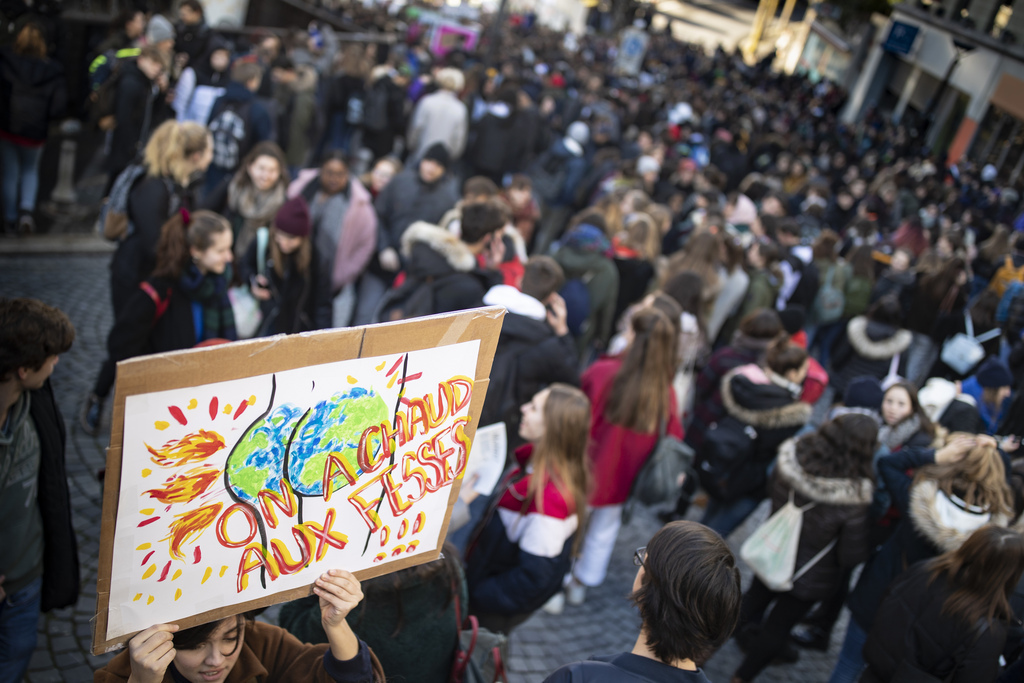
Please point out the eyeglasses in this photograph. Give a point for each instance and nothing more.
(640, 556)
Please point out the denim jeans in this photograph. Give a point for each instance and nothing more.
(851, 657)
(21, 172)
(19, 616)
(725, 517)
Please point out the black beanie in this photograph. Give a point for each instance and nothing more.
(438, 153)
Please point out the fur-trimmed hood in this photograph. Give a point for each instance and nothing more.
(827, 490)
(876, 341)
(764, 405)
(454, 251)
(931, 517)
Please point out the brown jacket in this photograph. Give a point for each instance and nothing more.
(269, 654)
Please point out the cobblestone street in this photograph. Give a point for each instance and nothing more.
(605, 623)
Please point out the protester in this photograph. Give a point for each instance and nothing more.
(875, 345)
(137, 107)
(202, 83)
(238, 121)
(192, 33)
(243, 648)
(33, 87)
(440, 118)
(35, 512)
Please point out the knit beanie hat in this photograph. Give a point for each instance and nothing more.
(293, 218)
(438, 153)
(994, 373)
(159, 29)
(864, 392)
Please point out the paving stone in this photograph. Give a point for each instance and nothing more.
(41, 659)
(82, 673)
(51, 676)
(63, 643)
(66, 660)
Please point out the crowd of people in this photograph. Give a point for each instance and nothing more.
(699, 251)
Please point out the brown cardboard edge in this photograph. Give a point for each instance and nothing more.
(133, 376)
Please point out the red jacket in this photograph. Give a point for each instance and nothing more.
(616, 453)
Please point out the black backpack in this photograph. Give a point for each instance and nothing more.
(549, 172)
(413, 299)
(375, 109)
(230, 130)
(727, 469)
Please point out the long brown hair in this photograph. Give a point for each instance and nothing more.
(303, 255)
(560, 457)
(824, 248)
(639, 393)
(703, 255)
(266, 148)
(979, 479)
(938, 283)
(176, 239)
(30, 43)
(997, 246)
(982, 574)
(927, 426)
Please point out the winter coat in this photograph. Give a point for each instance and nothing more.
(382, 142)
(922, 532)
(949, 326)
(298, 302)
(635, 277)
(925, 311)
(991, 421)
(297, 121)
(601, 277)
(522, 554)
(34, 94)
(911, 626)
(840, 512)
(570, 156)
(731, 295)
(762, 291)
(195, 93)
(436, 256)
(151, 203)
(529, 356)
(358, 230)
(259, 125)
(135, 111)
(496, 148)
(439, 117)
(272, 655)
(408, 199)
(624, 668)
(867, 349)
(60, 553)
(192, 39)
(616, 453)
(707, 405)
(754, 400)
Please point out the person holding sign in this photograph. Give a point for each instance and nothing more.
(252, 650)
(524, 548)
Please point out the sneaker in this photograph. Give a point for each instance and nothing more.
(26, 224)
(575, 593)
(92, 411)
(556, 604)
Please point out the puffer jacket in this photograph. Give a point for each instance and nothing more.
(923, 531)
(35, 94)
(911, 626)
(840, 512)
(867, 349)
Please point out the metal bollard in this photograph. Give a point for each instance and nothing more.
(64, 192)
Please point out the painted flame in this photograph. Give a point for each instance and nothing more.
(189, 526)
(187, 486)
(191, 448)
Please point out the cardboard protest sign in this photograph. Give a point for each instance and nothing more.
(237, 474)
(448, 36)
(632, 48)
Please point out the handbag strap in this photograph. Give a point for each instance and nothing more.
(262, 237)
(968, 324)
(986, 336)
(814, 560)
(894, 366)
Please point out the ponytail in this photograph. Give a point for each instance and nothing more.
(180, 234)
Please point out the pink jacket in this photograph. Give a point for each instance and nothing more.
(358, 239)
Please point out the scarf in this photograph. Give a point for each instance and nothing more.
(256, 207)
(211, 306)
(895, 437)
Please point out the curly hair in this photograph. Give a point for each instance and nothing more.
(841, 448)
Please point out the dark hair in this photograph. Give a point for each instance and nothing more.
(480, 220)
(825, 246)
(862, 262)
(31, 332)
(542, 277)
(887, 311)
(172, 251)
(927, 426)
(761, 323)
(521, 181)
(843, 447)
(192, 638)
(123, 17)
(590, 216)
(479, 186)
(244, 71)
(687, 289)
(783, 356)
(981, 574)
(335, 155)
(789, 227)
(689, 597)
(263, 149)
(193, 5)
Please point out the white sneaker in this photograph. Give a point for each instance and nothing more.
(556, 604)
(575, 593)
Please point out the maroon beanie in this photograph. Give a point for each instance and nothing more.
(293, 218)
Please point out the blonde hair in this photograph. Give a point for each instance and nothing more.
(979, 479)
(642, 235)
(451, 79)
(169, 148)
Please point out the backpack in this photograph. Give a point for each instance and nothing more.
(104, 79)
(480, 654)
(962, 352)
(414, 298)
(230, 130)
(161, 303)
(1005, 276)
(771, 550)
(726, 469)
(549, 172)
(661, 476)
(113, 221)
(374, 109)
(858, 296)
(830, 303)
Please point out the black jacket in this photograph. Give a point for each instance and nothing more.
(867, 349)
(298, 303)
(33, 92)
(193, 40)
(840, 512)
(135, 110)
(408, 199)
(150, 204)
(624, 668)
(920, 535)
(911, 626)
(60, 551)
(497, 147)
(138, 330)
